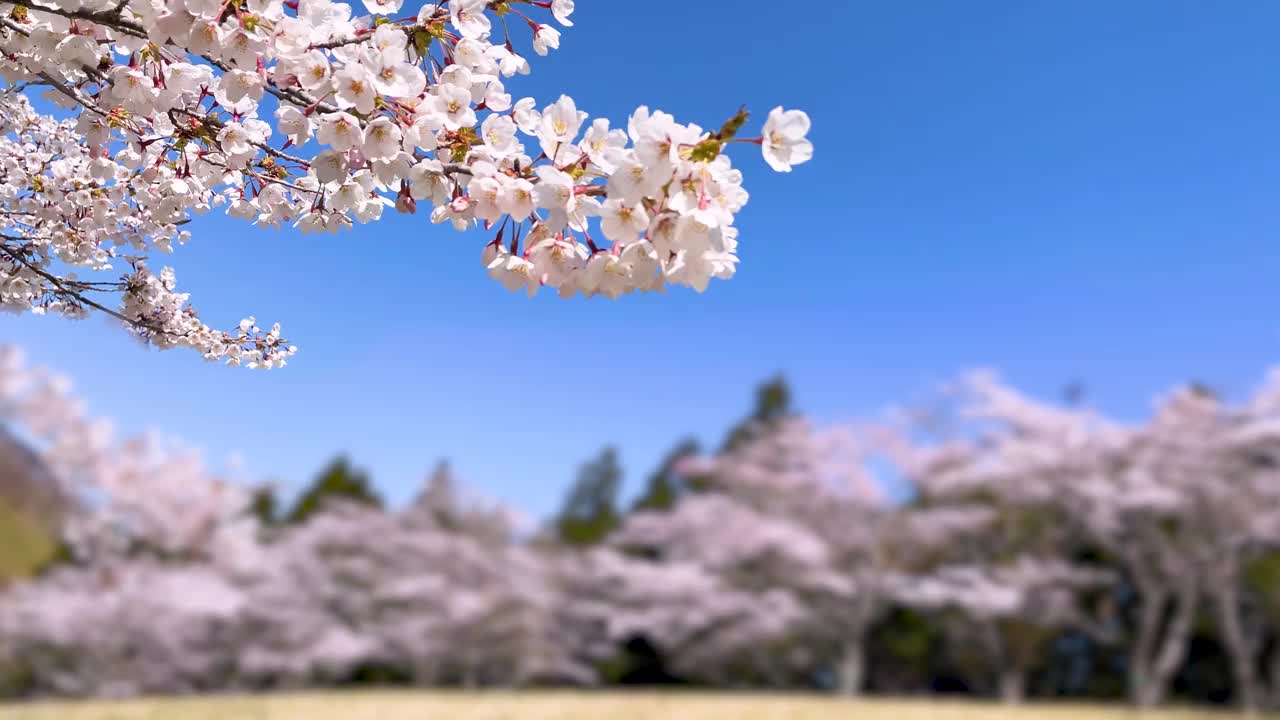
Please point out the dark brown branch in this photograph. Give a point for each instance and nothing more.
(113, 19)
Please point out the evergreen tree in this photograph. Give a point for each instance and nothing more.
(772, 404)
(665, 485)
(590, 510)
(265, 505)
(339, 479)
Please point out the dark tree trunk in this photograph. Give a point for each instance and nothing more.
(1234, 640)
(1013, 685)
(851, 672)
(1156, 656)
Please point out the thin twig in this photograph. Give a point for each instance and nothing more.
(58, 283)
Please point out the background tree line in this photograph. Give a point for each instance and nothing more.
(1042, 552)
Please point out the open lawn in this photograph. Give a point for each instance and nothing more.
(565, 706)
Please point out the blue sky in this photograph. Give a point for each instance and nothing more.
(1069, 192)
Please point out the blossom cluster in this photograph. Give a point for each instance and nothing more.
(143, 489)
(57, 208)
(774, 558)
(301, 113)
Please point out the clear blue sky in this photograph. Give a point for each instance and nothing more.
(1068, 191)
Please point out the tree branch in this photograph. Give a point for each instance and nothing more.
(61, 286)
(113, 19)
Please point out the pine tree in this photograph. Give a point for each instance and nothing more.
(772, 404)
(590, 510)
(665, 486)
(265, 505)
(339, 480)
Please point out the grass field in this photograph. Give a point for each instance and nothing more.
(568, 706)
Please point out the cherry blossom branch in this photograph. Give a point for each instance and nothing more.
(175, 130)
(114, 20)
(59, 284)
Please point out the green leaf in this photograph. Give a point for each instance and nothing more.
(733, 124)
(706, 151)
(422, 42)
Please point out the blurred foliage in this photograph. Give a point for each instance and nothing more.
(590, 510)
(903, 651)
(907, 651)
(637, 662)
(665, 486)
(339, 480)
(265, 506)
(772, 403)
(26, 546)
(1262, 577)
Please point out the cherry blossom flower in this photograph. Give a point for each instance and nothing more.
(299, 113)
(784, 139)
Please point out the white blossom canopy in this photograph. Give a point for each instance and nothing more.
(301, 113)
